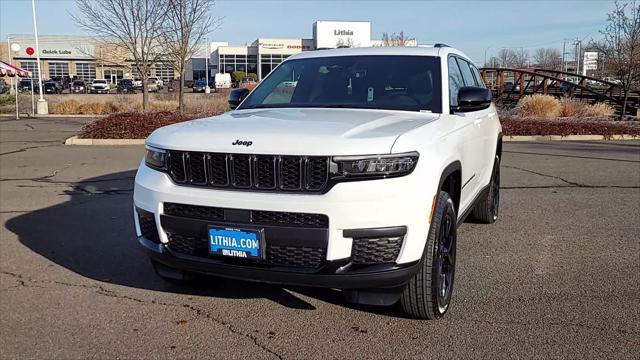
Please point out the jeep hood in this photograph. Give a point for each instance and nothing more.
(292, 131)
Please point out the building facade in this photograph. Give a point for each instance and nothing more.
(87, 58)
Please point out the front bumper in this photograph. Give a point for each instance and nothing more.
(349, 207)
(334, 274)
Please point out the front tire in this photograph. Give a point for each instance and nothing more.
(428, 294)
(487, 209)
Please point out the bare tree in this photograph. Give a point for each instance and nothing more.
(513, 58)
(342, 43)
(187, 25)
(548, 58)
(620, 45)
(136, 25)
(394, 39)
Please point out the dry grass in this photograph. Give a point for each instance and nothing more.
(575, 108)
(540, 106)
(90, 104)
(598, 109)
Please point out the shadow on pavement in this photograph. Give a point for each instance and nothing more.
(93, 235)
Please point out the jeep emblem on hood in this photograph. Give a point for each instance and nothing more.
(240, 142)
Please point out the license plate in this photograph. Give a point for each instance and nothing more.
(240, 243)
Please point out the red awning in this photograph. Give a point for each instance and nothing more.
(10, 70)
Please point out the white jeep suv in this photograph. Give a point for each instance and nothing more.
(348, 169)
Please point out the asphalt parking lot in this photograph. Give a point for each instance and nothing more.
(556, 277)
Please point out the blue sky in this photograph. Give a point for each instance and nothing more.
(472, 26)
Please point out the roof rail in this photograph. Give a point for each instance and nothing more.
(440, 45)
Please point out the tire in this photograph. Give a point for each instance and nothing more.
(487, 209)
(428, 294)
(171, 275)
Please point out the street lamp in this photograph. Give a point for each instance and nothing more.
(15, 47)
(43, 106)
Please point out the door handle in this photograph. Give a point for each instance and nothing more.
(477, 121)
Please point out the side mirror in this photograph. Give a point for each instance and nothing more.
(472, 98)
(236, 96)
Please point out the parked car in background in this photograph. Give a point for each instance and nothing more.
(25, 85)
(222, 81)
(79, 86)
(247, 83)
(199, 86)
(152, 85)
(99, 86)
(52, 87)
(159, 82)
(137, 82)
(189, 83)
(126, 86)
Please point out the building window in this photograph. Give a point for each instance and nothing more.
(164, 71)
(31, 66)
(86, 71)
(269, 61)
(231, 63)
(58, 69)
(113, 76)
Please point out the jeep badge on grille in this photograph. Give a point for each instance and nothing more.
(240, 142)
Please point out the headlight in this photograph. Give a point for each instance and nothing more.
(155, 158)
(376, 165)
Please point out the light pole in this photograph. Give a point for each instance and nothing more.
(207, 89)
(43, 107)
(14, 49)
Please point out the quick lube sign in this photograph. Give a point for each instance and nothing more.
(332, 34)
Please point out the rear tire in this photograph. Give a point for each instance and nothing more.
(428, 294)
(487, 209)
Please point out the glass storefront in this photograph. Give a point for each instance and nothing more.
(231, 63)
(269, 61)
(113, 75)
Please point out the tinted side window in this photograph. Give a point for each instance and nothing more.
(456, 81)
(469, 80)
(478, 76)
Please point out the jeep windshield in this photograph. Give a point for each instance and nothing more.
(364, 82)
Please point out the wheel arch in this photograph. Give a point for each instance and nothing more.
(451, 182)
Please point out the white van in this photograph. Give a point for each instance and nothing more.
(223, 81)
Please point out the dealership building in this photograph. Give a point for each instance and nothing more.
(87, 58)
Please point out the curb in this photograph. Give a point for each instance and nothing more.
(27, 116)
(568, 138)
(74, 140)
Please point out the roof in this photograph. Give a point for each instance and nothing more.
(380, 50)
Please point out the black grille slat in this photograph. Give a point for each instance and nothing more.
(284, 173)
(197, 168)
(289, 218)
(376, 250)
(176, 166)
(264, 169)
(218, 170)
(148, 227)
(276, 255)
(317, 171)
(290, 173)
(305, 257)
(194, 211)
(241, 171)
(258, 217)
